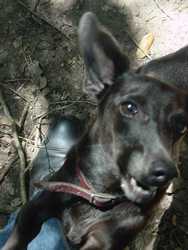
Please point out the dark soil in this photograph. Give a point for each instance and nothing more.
(41, 72)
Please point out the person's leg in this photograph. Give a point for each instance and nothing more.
(50, 237)
(62, 134)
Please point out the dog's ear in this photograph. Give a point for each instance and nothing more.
(172, 69)
(102, 55)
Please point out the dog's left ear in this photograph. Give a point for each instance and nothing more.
(172, 69)
(102, 55)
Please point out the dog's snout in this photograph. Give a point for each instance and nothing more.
(161, 172)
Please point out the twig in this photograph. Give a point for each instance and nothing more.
(161, 9)
(2, 131)
(6, 169)
(13, 91)
(42, 116)
(175, 191)
(32, 142)
(50, 169)
(36, 5)
(42, 19)
(23, 116)
(79, 101)
(17, 80)
(137, 45)
(36, 131)
(18, 146)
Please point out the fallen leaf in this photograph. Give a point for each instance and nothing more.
(42, 82)
(174, 220)
(144, 46)
(127, 248)
(4, 121)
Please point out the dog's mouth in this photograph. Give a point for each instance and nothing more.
(135, 192)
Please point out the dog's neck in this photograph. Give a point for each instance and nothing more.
(96, 162)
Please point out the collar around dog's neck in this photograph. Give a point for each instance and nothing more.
(83, 190)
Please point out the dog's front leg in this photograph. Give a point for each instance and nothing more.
(30, 220)
(114, 229)
(109, 235)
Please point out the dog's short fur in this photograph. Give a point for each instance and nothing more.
(128, 150)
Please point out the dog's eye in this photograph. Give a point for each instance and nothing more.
(128, 109)
(181, 128)
(179, 123)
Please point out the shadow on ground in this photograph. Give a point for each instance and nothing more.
(40, 67)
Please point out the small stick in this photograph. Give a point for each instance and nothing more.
(175, 191)
(69, 101)
(42, 19)
(161, 9)
(137, 45)
(17, 80)
(6, 169)
(14, 91)
(23, 116)
(2, 131)
(42, 116)
(36, 5)
(19, 148)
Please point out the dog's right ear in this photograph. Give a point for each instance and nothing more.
(102, 55)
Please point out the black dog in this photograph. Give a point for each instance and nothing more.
(122, 166)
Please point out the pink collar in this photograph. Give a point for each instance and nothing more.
(83, 190)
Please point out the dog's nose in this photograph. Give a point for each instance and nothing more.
(161, 172)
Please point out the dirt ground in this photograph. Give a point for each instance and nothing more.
(42, 75)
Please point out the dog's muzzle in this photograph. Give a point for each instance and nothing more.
(135, 192)
(160, 173)
(144, 189)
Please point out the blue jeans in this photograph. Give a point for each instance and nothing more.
(61, 136)
(49, 238)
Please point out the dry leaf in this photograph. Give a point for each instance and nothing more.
(42, 82)
(4, 121)
(144, 46)
(127, 248)
(174, 220)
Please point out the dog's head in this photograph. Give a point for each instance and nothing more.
(139, 117)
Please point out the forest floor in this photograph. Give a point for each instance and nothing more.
(42, 75)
